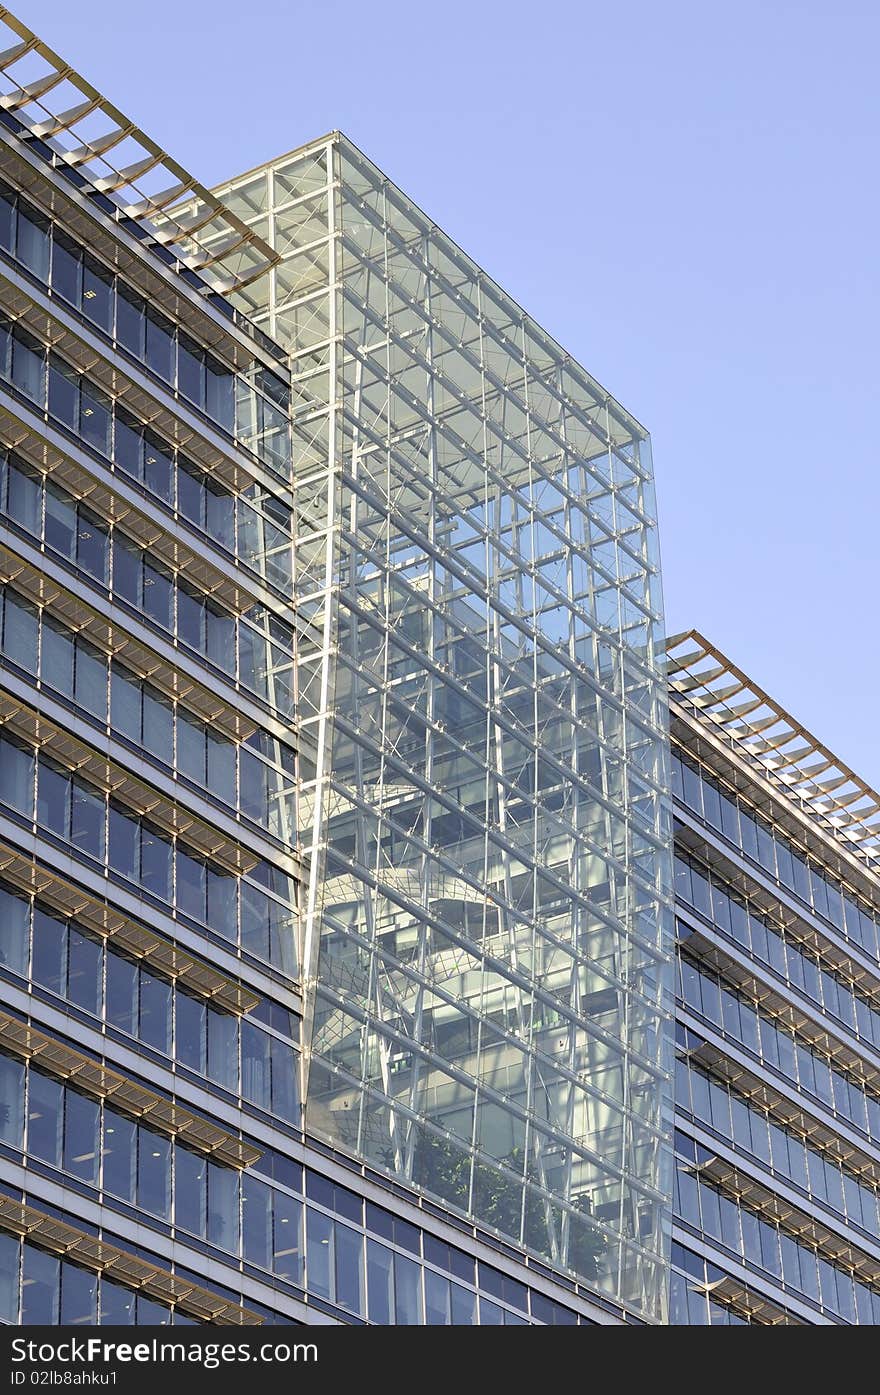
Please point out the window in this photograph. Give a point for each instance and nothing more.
(53, 798)
(56, 656)
(81, 1117)
(87, 820)
(49, 953)
(223, 1207)
(380, 1283)
(40, 1288)
(319, 1253)
(154, 1173)
(45, 1117)
(33, 241)
(191, 1031)
(94, 417)
(287, 1252)
(130, 320)
(122, 994)
(97, 294)
(17, 776)
(28, 366)
(155, 1012)
(190, 1191)
(119, 1155)
(160, 346)
(24, 497)
(60, 530)
(79, 1295)
(14, 916)
(92, 545)
(12, 1078)
(84, 963)
(66, 267)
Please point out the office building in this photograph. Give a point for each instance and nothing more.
(335, 826)
(777, 1096)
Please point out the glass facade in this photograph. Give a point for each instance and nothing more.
(777, 1087)
(336, 941)
(486, 935)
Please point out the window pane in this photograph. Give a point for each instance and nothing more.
(155, 862)
(94, 418)
(117, 1305)
(191, 371)
(191, 888)
(92, 545)
(380, 1284)
(14, 917)
(130, 320)
(53, 799)
(191, 1028)
(223, 1048)
(56, 657)
(66, 267)
(33, 241)
(190, 1191)
(50, 940)
(287, 1255)
(90, 679)
(158, 467)
(154, 1173)
(190, 746)
(97, 296)
(60, 522)
(122, 994)
(24, 496)
(158, 595)
(10, 1251)
(160, 347)
(81, 1136)
(256, 1211)
(349, 1268)
(191, 494)
(17, 777)
(85, 957)
(63, 393)
(119, 1155)
(124, 843)
(155, 1018)
(158, 726)
(12, 1076)
(319, 1253)
(40, 1288)
(406, 1292)
(87, 821)
(45, 1115)
(223, 1207)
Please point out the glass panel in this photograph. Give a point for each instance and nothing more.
(45, 1117)
(12, 1078)
(33, 241)
(380, 1283)
(155, 1018)
(319, 1253)
(81, 1117)
(85, 961)
(287, 1256)
(97, 294)
(14, 918)
(154, 1173)
(41, 1285)
(119, 1155)
(190, 1191)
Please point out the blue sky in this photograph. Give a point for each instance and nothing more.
(684, 194)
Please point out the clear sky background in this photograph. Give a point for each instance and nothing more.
(685, 194)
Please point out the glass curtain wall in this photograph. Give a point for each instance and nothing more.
(482, 716)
